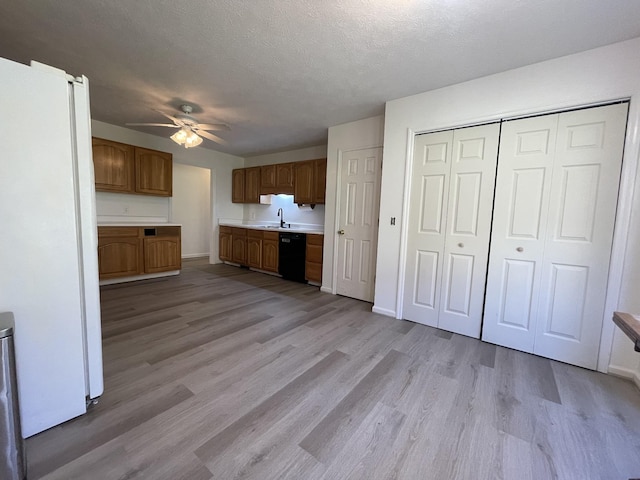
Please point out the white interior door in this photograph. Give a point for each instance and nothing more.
(449, 223)
(546, 292)
(525, 165)
(358, 217)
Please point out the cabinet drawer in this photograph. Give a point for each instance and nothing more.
(225, 229)
(315, 239)
(238, 232)
(254, 233)
(167, 231)
(118, 231)
(271, 236)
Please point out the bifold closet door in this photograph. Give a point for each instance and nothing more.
(452, 185)
(555, 207)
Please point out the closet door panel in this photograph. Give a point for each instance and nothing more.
(472, 181)
(523, 185)
(427, 226)
(583, 201)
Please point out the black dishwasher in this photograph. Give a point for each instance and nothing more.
(292, 252)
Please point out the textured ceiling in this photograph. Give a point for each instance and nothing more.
(280, 72)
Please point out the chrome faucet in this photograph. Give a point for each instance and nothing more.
(281, 215)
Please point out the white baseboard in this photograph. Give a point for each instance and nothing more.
(326, 290)
(624, 372)
(384, 311)
(195, 255)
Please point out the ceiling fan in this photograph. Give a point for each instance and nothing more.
(190, 130)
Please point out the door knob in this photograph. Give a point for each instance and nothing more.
(520, 249)
(340, 232)
(461, 245)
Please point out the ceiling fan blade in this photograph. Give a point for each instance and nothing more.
(170, 125)
(212, 126)
(212, 137)
(177, 121)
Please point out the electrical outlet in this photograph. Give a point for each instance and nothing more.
(252, 216)
(393, 220)
(125, 210)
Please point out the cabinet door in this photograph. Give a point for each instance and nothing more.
(254, 250)
(313, 258)
(113, 166)
(304, 182)
(225, 244)
(252, 185)
(154, 172)
(119, 256)
(237, 186)
(268, 179)
(162, 254)
(284, 178)
(239, 246)
(270, 246)
(320, 180)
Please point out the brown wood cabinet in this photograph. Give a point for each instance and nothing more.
(320, 180)
(239, 245)
(284, 178)
(114, 166)
(252, 185)
(131, 251)
(154, 172)
(310, 180)
(270, 251)
(225, 247)
(119, 252)
(162, 251)
(237, 185)
(254, 248)
(124, 168)
(313, 258)
(268, 179)
(304, 184)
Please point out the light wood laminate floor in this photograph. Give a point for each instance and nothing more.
(222, 373)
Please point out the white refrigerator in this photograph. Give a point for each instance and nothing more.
(48, 242)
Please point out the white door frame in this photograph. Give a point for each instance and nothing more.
(630, 162)
(336, 213)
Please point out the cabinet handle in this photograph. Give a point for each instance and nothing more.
(520, 249)
(461, 245)
(340, 232)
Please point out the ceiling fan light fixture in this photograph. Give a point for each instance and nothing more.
(187, 137)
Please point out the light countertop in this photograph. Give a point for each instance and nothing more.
(314, 229)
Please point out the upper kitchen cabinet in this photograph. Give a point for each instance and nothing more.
(320, 180)
(284, 178)
(127, 169)
(237, 185)
(114, 166)
(268, 179)
(154, 172)
(310, 179)
(252, 185)
(245, 185)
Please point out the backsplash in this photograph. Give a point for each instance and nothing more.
(292, 213)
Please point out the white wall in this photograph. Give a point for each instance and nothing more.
(594, 76)
(367, 133)
(220, 165)
(191, 207)
(292, 213)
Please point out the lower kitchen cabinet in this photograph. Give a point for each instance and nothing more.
(270, 250)
(313, 258)
(119, 252)
(162, 253)
(239, 245)
(254, 248)
(226, 246)
(131, 251)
